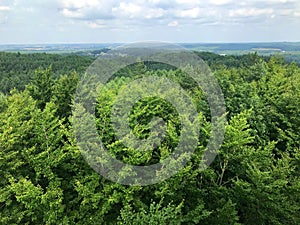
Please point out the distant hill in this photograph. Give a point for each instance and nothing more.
(212, 47)
(221, 47)
(289, 50)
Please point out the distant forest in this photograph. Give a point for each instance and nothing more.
(255, 179)
(17, 70)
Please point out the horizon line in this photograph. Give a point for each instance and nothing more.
(109, 43)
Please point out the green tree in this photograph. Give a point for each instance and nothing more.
(41, 87)
(63, 92)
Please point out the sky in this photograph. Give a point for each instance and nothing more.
(109, 21)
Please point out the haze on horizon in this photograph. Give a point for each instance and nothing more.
(104, 21)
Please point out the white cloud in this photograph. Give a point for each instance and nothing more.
(285, 12)
(155, 1)
(72, 14)
(139, 10)
(187, 2)
(220, 2)
(135, 11)
(189, 13)
(297, 14)
(96, 25)
(277, 1)
(78, 4)
(153, 16)
(250, 12)
(154, 13)
(4, 8)
(129, 10)
(86, 9)
(173, 24)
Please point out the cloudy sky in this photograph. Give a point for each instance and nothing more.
(97, 21)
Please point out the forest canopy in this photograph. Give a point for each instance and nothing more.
(254, 179)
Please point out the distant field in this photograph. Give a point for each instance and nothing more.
(213, 47)
(55, 48)
(289, 50)
(240, 47)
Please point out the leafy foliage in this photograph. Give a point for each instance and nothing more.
(255, 178)
(17, 70)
